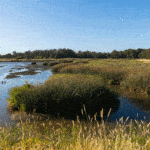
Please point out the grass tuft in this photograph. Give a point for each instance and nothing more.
(58, 134)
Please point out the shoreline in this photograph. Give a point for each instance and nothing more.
(31, 70)
(25, 60)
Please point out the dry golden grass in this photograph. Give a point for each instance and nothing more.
(2, 59)
(144, 60)
(60, 134)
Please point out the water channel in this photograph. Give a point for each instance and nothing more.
(126, 107)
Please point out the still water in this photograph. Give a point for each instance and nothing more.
(126, 107)
(7, 84)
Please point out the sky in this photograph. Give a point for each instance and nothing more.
(94, 25)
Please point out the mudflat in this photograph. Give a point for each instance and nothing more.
(31, 70)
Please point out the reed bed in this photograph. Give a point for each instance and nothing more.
(69, 134)
(63, 94)
(132, 76)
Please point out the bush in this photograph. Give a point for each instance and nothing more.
(72, 91)
(80, 61)
(45, 63)
(16, 94)
(57, 67)
(137, 83)
(113, 76)
(33, 63)
(66, 61)
(53, 63)
(65, 94)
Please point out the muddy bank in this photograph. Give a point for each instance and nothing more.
(31, 70)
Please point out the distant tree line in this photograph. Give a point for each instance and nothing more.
(69, 53)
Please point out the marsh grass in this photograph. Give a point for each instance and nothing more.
(132, 76)
(45, 63)
(57, 66)
(33, 62)
(137, 82)
(78, 61)
(77, 84)
(53, 63)
(109, 74)
(52, 134)
(17, 74)
(61, 61)
(66, 61)
(64, 94)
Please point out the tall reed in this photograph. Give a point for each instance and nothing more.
(69, 134)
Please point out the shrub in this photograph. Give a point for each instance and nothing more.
(15, 95)
(45, 63)
(53, 63)
(72, 91)
(65, 94)
(33, 63)
(57, 67)
(137, 83)
(66, 61)
(113, 76)
(80, 61)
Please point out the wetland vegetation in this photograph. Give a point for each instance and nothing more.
(65, 109)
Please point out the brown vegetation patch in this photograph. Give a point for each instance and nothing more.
(16, 74)
(144, 60)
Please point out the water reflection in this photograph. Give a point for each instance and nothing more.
(3, 82)
(70, 108)
(7, 84)
(131, 109)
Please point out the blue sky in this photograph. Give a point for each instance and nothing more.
(94, 25)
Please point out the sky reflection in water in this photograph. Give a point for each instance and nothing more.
(12, 82)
